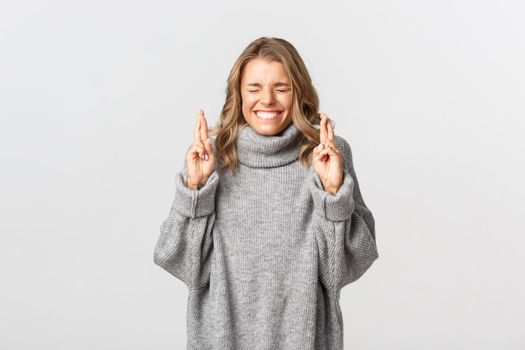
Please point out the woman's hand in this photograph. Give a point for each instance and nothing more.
(200, 160)
(327, 159)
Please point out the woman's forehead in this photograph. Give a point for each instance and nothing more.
(258, 70)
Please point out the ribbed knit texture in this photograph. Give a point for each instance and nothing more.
(265, 253)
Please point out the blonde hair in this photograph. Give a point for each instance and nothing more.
(305, 102)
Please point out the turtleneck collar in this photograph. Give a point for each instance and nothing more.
(265, 151)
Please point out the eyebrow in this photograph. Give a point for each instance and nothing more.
(276, 84)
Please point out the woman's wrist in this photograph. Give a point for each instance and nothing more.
(330, 189)
(194, 186)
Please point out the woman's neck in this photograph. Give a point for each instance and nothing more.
(263, 151)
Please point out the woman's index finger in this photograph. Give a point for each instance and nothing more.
(204, 128)
(323, 128)
(330, 131)
(196, 135)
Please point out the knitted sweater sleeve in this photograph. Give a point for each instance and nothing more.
(345, 228)
(185, 245)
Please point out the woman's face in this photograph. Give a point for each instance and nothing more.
(266, 96)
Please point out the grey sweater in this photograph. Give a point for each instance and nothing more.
(265, 253)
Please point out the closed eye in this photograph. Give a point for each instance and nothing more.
(275, 90)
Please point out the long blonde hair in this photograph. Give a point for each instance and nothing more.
(305, 102)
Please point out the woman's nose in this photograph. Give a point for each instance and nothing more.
(267, 96)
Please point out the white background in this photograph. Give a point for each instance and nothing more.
(98, 102)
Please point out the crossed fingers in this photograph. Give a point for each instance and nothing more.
(327, 137)
(201, 135)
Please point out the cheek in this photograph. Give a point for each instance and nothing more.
(286, 102)
(248, 102)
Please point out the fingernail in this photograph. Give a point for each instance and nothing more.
(206, 157)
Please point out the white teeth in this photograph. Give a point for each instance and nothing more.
(267, 115)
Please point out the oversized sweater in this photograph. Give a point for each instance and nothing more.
(265, 253)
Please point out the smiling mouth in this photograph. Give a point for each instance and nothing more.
(268, 115)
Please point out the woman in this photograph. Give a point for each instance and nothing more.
(268, 222)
